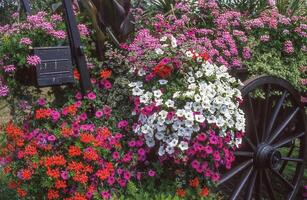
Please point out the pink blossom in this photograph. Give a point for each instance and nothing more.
(288, 47)
(105, 195)
(83, 30)
(99, 114)
(9, 68)
(25, 41)
(4, 90)
(151, 173)
(91, 96)
(33, 60)
(264, 38)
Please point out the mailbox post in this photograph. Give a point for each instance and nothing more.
(50, 74)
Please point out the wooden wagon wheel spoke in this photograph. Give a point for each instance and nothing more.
(298, 160)
(244, 153)
(266, 111)
(283, 125)
(269, 185)
(242, 183)
(283, 179)
(285, 162)
(288, 140)
(249, 143)
(259, 184)
(235, 171)
(267, 150)
(251, 185)
(254, 124)
(275, 113)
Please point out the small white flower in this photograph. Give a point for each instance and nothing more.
(159, 51)
(199, 74)
(170, 150)
(159, 102)
(173, 42)
(189, 54)
(189, 116)
(157, 93)
(163, 114)
(163, 39)
(200, 118)
(176, 94)
(159, 135)
(163, 82)
(173, 142)
(191, 79)
(180, 113)
(183, 145)
(137, 91)
(170, 104)
(161, 151)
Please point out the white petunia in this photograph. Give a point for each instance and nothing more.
(183, 145)
(200, 118)
(170, 104)
(189, 54)
(163, 82)
(163, 39)
(137, 91)
(159, 51)
(157, 93)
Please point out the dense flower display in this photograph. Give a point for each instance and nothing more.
(164, 111)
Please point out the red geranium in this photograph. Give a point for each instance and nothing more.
(163, 71)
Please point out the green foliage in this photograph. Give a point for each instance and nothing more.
(274, 63)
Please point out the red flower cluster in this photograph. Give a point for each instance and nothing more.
(163, 71)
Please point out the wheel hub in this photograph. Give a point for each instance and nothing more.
(267, 157)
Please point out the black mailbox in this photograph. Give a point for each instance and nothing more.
(56, 66)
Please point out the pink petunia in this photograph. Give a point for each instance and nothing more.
(33, 60)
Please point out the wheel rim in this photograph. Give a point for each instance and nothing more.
(270, 162)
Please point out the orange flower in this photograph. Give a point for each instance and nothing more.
(76, 74)
(30, 150)
(74, 151)
(13, 131)
(103, 174)
(163, 71)
(204, 192)
(53, 173)
(181, 192)
(80, 177)
(53, 194)
(66, 132)
(194, 182)
(59, 184)
(87, 138)
(21, 192)
(26, 174)
(42, 113)
(106, 73)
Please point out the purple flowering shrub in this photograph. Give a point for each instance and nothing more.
(18, 40)
(231, 38)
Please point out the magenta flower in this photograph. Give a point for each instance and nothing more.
(151, 173)
(288, 47)
(51, 138)
(9, 68)
(33, 60)
(64, 175)
(25, 41)
(91, 96)
(264, 38)
(246, 53)
(41, 102)
(55, 115)
(98, 114)
(105, 195)
(122, 124)
(4, 91)
(83, 30)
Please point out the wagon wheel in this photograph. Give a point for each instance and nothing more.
(270, 161)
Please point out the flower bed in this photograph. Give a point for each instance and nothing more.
(163, 111)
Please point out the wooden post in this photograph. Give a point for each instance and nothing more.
(76, 48)
(26, 6)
